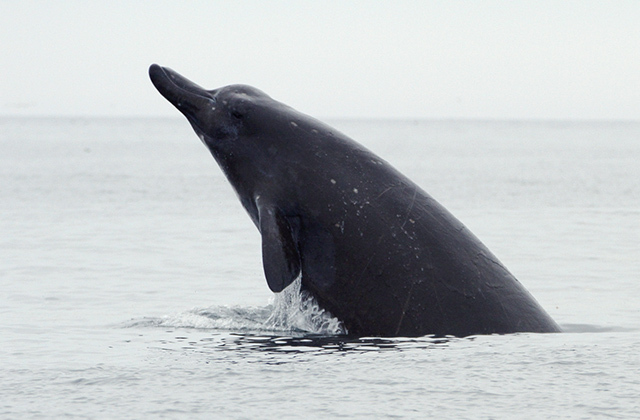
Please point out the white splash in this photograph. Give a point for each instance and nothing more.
(292, 311)
(296, 310)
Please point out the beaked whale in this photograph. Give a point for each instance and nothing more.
(374, 249)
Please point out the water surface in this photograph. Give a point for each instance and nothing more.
(132, 285)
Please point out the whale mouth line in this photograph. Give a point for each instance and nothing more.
(175, 88)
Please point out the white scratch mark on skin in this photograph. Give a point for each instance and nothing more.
(413, 200)
(333, 181)
(355, 190)
(294, 124)
(405, 306)
(385, 191)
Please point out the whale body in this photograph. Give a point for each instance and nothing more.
(375, 250)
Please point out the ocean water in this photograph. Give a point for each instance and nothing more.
(132, 287)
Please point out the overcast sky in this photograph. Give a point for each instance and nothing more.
(395, 59)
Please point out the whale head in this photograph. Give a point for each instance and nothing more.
(242, 128)
(218, 116)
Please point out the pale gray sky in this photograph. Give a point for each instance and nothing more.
(397, 59)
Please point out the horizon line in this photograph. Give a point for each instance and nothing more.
(334, 118)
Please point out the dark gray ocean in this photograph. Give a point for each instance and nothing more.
(131, 282)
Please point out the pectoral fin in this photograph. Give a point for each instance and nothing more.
(280, 256)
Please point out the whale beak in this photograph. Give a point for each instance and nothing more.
(185, 95)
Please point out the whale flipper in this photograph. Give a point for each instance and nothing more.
(280, 256)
